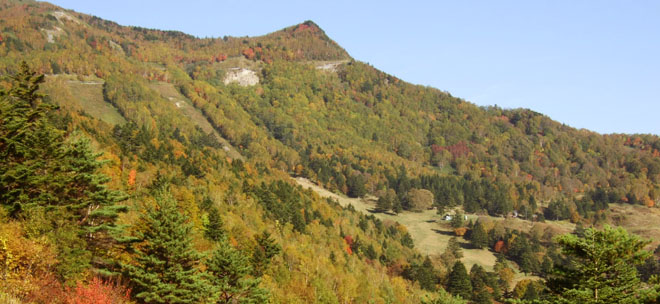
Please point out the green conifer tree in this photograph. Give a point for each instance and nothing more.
(383, 204)
(213, 230)
(531, 293)
(479, 237)
(229, 271)
(454, 247)
(479, 279)
(602, 267)
(28, 144)
(44, 173)
(459, 282)
(265, 250)
(457, 221)
(165, 268)
(426, 275)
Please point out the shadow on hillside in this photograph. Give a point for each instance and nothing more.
(466, 246)
(449, 233)
(383, 212)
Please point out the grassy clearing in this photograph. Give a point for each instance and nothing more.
(86, 94)
(169, 92)
(427, 228)
(431, 234)
(637, 219)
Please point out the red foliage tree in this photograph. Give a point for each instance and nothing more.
(349, 240)
(98, 292)
(249, 53)
(500, 247)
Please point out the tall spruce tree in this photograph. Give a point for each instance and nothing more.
(229, 273)
(165, 268)
(454, 247)
(480, 288)
(601, 269)
(28, 144)
(459, 282)
(479, 237)
(44, 172)
(264, 251)
(383, 204)
(213, 229)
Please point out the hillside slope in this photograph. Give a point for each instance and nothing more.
(226, 122)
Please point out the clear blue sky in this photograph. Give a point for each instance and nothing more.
(589, 64)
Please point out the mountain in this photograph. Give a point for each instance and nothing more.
(220, 125)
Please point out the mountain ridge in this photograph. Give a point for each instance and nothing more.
(158, 105)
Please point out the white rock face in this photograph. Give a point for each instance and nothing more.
(51, 34)
(243, 77)
(332, 66)
(63, 15)
(115, 46)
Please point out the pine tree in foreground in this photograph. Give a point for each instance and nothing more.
(165, 269)
(602, 268)
(53, 180)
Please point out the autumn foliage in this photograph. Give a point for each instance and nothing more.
(98, 292)
(131, 178)
(460, 231)
(500, 247)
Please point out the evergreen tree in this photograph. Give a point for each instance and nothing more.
(43, 172)
(546, 265)
(452, 253)
(383, 204)
(601, 268)
(356, 185)
(459, 282)
(457, 221)
(528, 262)
(454, 247)
(479, 279)
(531, 293)
(406, 240)
(396, 206)
(479, 237)
(423, 273)
(213, 229)
(426, 275)
(265, 250)
(229, 272)
(165, 268)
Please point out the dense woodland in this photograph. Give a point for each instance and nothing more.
(150, 206)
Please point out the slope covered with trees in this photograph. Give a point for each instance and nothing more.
(76, 185)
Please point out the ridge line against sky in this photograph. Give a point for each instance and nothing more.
(588, 64)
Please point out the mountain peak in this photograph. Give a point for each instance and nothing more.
(308, 41)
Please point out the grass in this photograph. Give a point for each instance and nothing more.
(429, 232)
(637, 219)
(87, 94)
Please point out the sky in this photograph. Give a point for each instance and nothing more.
(588, 64)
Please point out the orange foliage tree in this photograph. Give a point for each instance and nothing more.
(97, 292)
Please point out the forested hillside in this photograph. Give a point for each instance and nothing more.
(151, 166)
